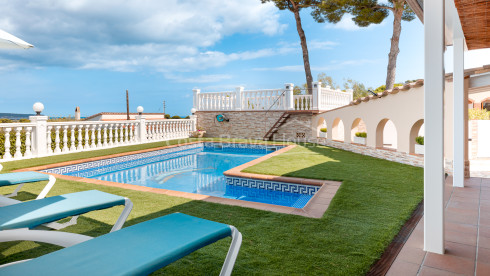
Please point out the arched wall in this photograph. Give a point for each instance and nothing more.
(320, 123)
(358, 125)
(414, 132)
(403, 109)
(338, 130)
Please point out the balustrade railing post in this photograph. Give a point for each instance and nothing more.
(194, 122)
(142, 127)
(289, 96)
(351, 94)
(195, 99)
(39, 143)
(238, 98)
(317, 92)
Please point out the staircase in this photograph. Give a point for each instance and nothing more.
(284, 117)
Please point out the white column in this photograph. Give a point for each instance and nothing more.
(28, 152)
(7, 155)
(238, 103)
(434, 126)
(317, 91)
(459, 103)
(289, 96)
(195, 98)
(142, 128)
(39, 143)
(18, 143)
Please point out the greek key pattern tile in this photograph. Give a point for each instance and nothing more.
(140, 159)
(272, 185)
(128, 161)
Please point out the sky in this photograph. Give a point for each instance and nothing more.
(89, 52)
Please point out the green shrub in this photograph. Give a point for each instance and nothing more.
(5, 121)
(323, 129)
(361, 134)
(478, 114)
(419, 140)
(24, 120)
(176, 117)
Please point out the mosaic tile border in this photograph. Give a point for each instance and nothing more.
(272, 185)
(140, 158)
(128, 161)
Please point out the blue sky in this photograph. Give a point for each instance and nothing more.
(87, 53)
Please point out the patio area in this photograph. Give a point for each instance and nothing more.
(467, 235)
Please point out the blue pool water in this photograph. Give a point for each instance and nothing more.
(196, 170)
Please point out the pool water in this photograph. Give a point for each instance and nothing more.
(198, 170)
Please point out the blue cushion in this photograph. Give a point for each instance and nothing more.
(36, 212)
(135, 250)
(7, 179)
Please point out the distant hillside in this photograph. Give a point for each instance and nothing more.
(14, 116)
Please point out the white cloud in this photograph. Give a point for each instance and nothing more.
(198, 79)
(335, 65)
(347, 24)
(128, 35)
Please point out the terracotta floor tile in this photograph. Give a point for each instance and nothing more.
(463, 205)
(485, 222)
(482, 269)
(484, 231)
(413, 255)
(461, 250)
(484, 255)
(461, 218)
(430, 271)
(450, 263)
(403, 268)
(484, 242)
(460, 237)
(463, 228)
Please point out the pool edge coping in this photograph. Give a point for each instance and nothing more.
(315, 208)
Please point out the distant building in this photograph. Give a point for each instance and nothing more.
(77, 113)
(120, 116)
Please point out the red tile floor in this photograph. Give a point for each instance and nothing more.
(467, 236)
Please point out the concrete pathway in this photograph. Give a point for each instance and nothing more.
(467, 236)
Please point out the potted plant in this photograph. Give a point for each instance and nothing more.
(419, 145)
(323, 132)
(199, 133)
(360, 138)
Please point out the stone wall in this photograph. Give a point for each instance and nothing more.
(255, 124)
(392, 155)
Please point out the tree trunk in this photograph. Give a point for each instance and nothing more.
(394, 50)
(306, 59)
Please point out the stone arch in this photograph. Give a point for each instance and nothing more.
(322, 123)
(414, 132)
(338, 129)
(358, 125)
(386, 134)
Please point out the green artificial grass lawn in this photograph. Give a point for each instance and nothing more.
(375, 199)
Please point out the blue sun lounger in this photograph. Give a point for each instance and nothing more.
(21, 178)
(16, 220)
(136, 250)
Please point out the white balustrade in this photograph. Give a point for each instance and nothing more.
(303, 102)
(263, 100)
(22, 133)
(323, 98)
(330, 99)
(61, 136)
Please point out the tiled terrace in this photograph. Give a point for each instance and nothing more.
(467, 226)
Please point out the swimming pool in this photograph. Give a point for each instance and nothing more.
(196, 168)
